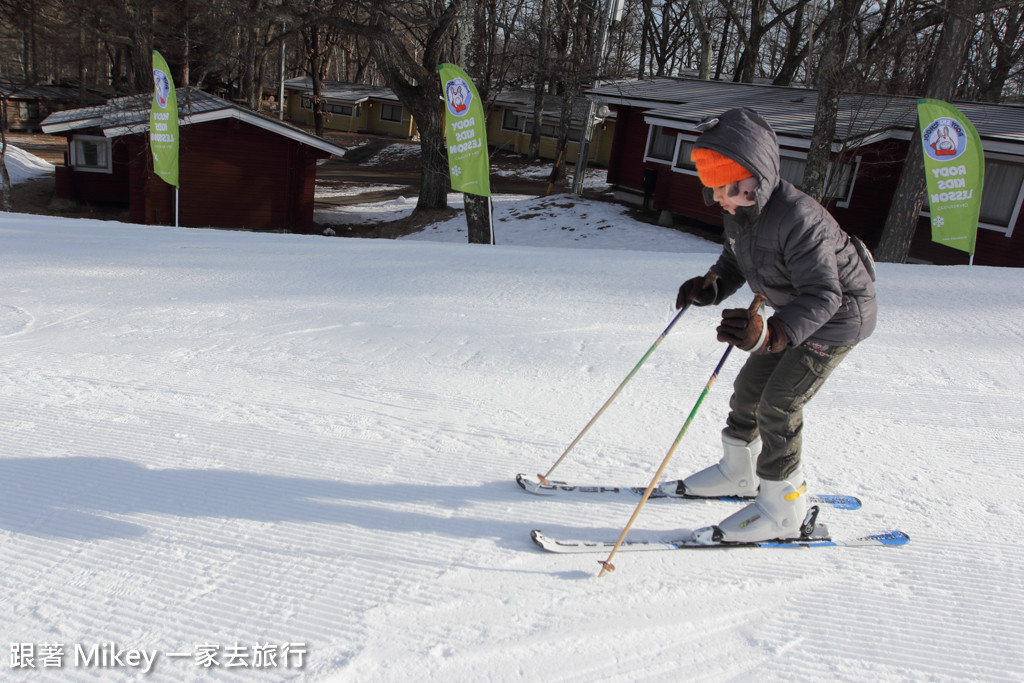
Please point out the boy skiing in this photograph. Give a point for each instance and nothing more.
(818, 280)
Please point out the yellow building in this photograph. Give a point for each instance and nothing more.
(511, 123)
(355, 108)
(349, 107)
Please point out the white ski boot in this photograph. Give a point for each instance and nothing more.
(734, 475)
(777, 513)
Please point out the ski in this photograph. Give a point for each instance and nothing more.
(819, 538)
(561, 488)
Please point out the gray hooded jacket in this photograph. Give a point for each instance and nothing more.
(787, 246)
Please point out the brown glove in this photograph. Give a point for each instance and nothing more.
(750, 332)
(700, 290)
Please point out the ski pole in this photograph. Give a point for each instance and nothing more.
(544, 477)
(606, 565)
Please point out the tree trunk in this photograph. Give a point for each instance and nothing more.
(540, 79)
(830, 89)
(474, 60)
(645, 33)
(478, 219)
(704, 35)
(5, 177)
(906, 205)
(434, 176)
(1007, 56)
(720, 64)
(794, 53)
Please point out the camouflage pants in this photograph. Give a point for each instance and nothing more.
(769, 395)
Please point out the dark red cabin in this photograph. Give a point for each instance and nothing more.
(236, 168)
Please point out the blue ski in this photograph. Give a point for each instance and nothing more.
(819, 538)
(561, 488)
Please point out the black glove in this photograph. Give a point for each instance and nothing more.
(700, 291)
(751, 332)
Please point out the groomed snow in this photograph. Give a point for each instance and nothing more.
(251, 444)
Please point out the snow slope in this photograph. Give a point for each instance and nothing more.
(245, 445)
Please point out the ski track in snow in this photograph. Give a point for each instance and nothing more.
(228, 438)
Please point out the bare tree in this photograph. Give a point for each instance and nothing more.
(830, 89)
(541, 78)
(5, 177)
(947, 64)
(473, 56)
(996, 54)
(407, 42)
(752, 31)
(796, 48)
(703, 29)
(319, 42)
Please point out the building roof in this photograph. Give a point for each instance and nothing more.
(130, 115)
(791, 111)
(346, 93)
(521, 102)
(63, 92)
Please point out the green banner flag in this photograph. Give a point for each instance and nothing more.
(163, 123)
(954, 167)
(465, 132)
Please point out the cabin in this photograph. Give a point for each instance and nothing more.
(375, 110)
(25, 107)
(237, 168)
(349, 108)
(650, 163)
(512, 121)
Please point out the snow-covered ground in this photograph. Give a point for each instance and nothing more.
(275, 449)
(22, 165)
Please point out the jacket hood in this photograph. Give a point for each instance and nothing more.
(747, 138)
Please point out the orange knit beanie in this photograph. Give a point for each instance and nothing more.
(716, 170)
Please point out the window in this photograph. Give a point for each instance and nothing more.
(792, 170)
(662, 143)
(509, 120)
(547, 130)
(1000, 196)
(391, 112)
(550, 130)
(683, 156)
(28, 110)
(329, 107)
(91, 154)
(838, 178)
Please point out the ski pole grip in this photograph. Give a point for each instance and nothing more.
(756, 303)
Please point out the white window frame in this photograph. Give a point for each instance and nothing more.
(647, 146)
(844, 202)
(680, 141)
(78, 158)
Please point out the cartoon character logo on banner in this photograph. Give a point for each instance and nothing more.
(163, 87)
(945, 139)
(458, 96)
